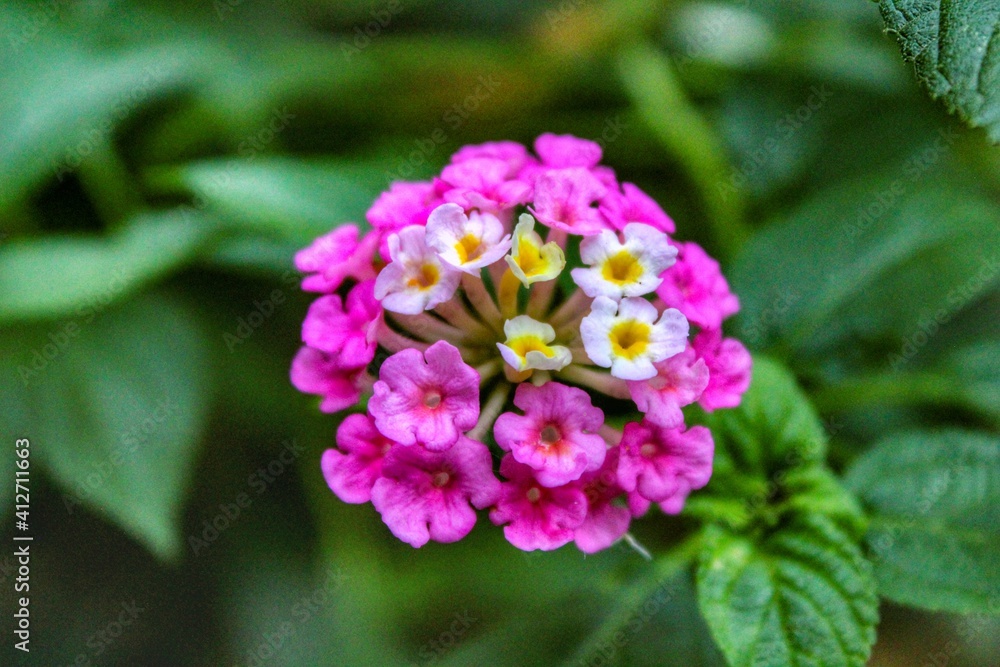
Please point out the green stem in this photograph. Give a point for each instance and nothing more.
(660, 99)
(658, 582)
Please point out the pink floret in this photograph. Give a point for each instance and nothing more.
(634, 205)
(515, 155)
(665, 465)
(316, 372)
(336, 256)
(559, 151)
(424, 495)
(349, 332)
(680, 381)
(606, 522)
(537, 517)
(428, 398)
(352, 469)
(695, 286)
(564, 199)
(729, 369)
(482, 183)
(405, 203)
(557, 435)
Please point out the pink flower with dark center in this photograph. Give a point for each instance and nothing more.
(729, 365)
(679, 381)
(482, 183)
(405, 203)
(428, 399)
(347, 332)
(557, 436)
(336, 256)
(634, 205)
(564, 199)
(664, 465)
(424, 495)
(316, 372)
(695, 286)
(511, 152)
(606, 522)
(352, 470)
(537, 517)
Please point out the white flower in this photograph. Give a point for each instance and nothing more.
(527, 346)
(624, 269)
(467, 242)
(626, 337)
(416, 279)
(529, 259)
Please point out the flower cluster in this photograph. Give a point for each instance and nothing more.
(476, 338)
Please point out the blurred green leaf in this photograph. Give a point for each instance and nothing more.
(802, 595)
(861, 260)
(291, 198)
(58, 275)
(115, 406)
(953, 47)
(976, 369)
(934, 536)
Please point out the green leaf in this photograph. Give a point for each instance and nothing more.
(861, 260)
(976, 369)
(774, 428)
(802, 595)
(955, 50)
(114, 407)
(290, 198)
(934, 536)
(58, 275)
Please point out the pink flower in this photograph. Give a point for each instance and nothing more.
(424, 495)
(316, 372)
(482, 183)
(405, 203)
(352, 470)
(511, 152)
(332, 258)
(559, 151)
(695, 286)
(428, 402)
(729, 365)
(634, 205)
(557, 436)
(564, 198)
(679, 381)
(347, 332)
(605, 522)
(537, 517)
(664, 465)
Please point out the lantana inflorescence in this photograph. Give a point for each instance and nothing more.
(489, 315)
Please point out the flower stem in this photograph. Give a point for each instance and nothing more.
(454, 312)
(488, 369)
(429, 328)
(481, 300)
(597, 380)
(491, 410)
(574, 307)
(507, 294)
(612, 435)
(396, 342)
(541, 298)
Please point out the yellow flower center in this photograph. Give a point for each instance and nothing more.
(426, 278)
(469, 248)
(529, 258)
(622, 268)
(630, 338)
(522, 345)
